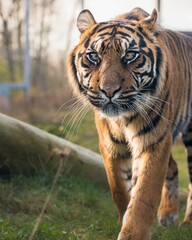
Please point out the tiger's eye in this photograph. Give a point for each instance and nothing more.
(93, 57)
(130, 56)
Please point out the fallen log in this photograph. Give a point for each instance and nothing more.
(26, 149)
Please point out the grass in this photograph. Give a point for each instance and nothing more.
(78, 210)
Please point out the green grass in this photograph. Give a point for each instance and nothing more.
(180, 157)
(78, 209)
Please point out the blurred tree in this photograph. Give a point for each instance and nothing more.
(19, 19)
(12, 18)
(6, 33)
(46, 10)
(47, 59)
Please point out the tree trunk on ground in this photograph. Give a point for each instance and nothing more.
(27, 149)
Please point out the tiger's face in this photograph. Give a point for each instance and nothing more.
(117, 63)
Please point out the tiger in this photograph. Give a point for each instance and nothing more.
(137, 78)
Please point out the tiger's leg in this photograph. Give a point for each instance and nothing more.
(187, 139)
(169, 207)
(117, 165)
(145, 195)
(118, 184)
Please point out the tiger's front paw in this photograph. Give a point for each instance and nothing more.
(135, 233)
(185, 223)
(132, 236)
(124, 236)
(167, 217)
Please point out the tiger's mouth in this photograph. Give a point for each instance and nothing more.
(112, 109)
(115, 105)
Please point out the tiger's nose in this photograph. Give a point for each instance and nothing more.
(109, 89)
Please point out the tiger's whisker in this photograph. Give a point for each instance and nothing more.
(159, 108)
(73, 121)
(145, 115)
(73, 108)
(79, 118)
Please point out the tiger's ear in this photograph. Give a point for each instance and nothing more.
(85, 20)
(150, 21)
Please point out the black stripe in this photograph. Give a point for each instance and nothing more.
(158, 141)
(128, 28)
(74, 67)
(131, 119)
(80, 54)
(155, 121)
(140, 65)
(142, 43)
(101, 35)
(102, 47)
(86, 44)
(150, 75)
(152, 85)
(75, 73)
(84, 64)
(117, 45)
(87, 74)
(159, 58)
(115, 140)
(145, 34)
(94, 97)
(133, 17)
(124, 34)
(150, 54)
(114, 31)
(109, 26)
(96, 28)
(132, 44)
(95, 103)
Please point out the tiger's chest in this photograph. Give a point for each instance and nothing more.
(123, 132)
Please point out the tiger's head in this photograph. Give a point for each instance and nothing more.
(118, 65)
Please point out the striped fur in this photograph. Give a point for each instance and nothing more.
(137, 77)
